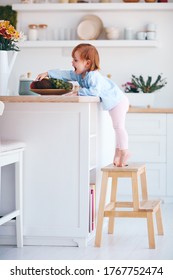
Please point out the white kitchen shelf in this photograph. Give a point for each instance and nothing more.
(93, 7)
(97, 43)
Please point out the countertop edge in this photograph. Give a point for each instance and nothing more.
(50, 98)
(77, 99)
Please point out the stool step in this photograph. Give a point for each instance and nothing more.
(120, 204)
(132, 167)
(149, 205)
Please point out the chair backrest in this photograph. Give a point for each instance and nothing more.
(1, 108)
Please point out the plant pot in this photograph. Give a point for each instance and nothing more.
(141, 99)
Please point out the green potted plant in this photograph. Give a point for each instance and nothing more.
(139, 90)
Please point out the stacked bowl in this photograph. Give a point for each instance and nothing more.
(112, 33)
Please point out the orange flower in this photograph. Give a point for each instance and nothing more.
(8, 36)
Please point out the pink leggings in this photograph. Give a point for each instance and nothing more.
(118, 115)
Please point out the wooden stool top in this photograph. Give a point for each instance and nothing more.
(132, 167)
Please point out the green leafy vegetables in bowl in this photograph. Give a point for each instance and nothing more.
(51, 84)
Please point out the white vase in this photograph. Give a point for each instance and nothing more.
(7, 59)
(141, 99)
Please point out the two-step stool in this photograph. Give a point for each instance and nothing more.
(136, 209)
(11, 152)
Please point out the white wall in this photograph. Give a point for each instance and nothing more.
(120, 62)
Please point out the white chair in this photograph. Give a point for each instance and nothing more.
(1, 108)
(11, 152)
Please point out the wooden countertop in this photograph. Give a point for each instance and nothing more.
(50, 98)
(150, 110)
(77, 99)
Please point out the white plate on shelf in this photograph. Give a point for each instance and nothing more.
(87, 30)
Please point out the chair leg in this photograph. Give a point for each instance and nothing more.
(111, 222)
(159, 222)
(150, 226)
(101, 209)
(18, 199)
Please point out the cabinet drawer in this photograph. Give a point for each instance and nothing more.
(146, 124)
(147, 148)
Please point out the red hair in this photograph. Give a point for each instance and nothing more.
(88, 52)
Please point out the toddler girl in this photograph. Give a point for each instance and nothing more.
(92, 83)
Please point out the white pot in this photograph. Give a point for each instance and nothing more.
(141, 99)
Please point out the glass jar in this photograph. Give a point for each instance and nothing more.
(33, 32)
(42, 32)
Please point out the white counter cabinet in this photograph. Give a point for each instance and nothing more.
(150, 141)
(169, 154)
(62, 136)
(61, 140)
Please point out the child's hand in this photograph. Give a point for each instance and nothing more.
(42, 76)
(72, 93)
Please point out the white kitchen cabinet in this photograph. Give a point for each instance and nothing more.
(169, 153)
(74, 12)
(148, 143)
(60, 162)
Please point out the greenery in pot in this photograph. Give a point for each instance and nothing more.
(138, 84)
(7, 13)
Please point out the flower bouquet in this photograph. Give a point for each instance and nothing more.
(8, 36)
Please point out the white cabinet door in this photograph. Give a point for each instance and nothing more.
(156, 178)
(147, 148)
(146, 124)
(170, 155)
(147, 143)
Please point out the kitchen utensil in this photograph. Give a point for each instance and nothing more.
(151, 35)
(89, 28)
(112, 33)
(24, 86)
(50, 91)
(141, 35)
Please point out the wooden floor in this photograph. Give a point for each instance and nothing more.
(130, 242)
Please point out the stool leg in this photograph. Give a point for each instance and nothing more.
(150, 226)
(144, 185)
(18, 192)
(113, 199)
(101, 209)
(135, 191)
(159, 222)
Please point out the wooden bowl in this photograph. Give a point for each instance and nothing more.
(150, 1)
(131, 1)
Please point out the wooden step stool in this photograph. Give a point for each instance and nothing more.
(143, 209)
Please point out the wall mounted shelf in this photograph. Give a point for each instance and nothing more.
(97, 43)
(93, 7)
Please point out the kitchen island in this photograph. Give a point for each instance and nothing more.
(68, 140)
(60, 162)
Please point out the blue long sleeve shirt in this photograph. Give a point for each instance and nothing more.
(93, 84)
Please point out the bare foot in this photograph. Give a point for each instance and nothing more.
(116, 157)
(124, 156)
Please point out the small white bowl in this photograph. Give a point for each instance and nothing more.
(112, 35)
(112, 32)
